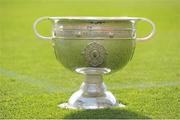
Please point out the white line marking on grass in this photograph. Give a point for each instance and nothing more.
(43, 84)
(49, 87)
(144, 85)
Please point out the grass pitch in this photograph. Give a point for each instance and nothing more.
(33, 83)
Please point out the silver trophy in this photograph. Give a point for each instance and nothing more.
(93, 46)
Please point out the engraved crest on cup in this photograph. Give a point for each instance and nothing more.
(95, 54)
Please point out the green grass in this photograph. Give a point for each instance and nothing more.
(33, 83)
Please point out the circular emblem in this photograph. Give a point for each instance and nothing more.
(95, 54)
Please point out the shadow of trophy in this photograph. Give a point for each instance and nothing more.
(105, 113)
(94, 46)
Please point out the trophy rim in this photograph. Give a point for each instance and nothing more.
(94, 18)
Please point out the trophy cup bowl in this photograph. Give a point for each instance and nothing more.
(93, 46)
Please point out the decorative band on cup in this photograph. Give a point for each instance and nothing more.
(95, 34)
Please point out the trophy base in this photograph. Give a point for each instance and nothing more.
(78, 101)
(93, 93)
(67, 106)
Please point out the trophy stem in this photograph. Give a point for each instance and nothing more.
(92, 93)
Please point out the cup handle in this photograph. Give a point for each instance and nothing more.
(150, 34)
(35, 26)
